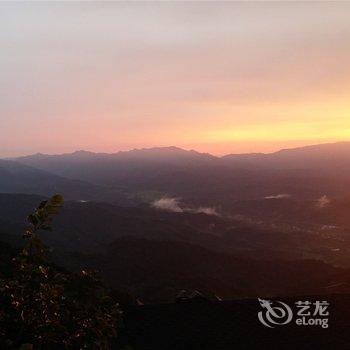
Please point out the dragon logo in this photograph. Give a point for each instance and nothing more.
(274, 315)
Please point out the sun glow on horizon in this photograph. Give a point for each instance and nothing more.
(217, 77)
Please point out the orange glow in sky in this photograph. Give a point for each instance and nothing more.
(219, 77)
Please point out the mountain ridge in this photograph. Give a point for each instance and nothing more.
(16, 177)
(308, 172)
(180, 149)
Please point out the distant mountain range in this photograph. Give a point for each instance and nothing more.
(144, 175)
(331, 158)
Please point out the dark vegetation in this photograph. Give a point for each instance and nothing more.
(44, 306)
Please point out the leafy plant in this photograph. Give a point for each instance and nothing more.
(43, 306)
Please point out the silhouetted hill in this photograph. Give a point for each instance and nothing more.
(329, 159)
(307, 173)
(97, 224)
(266, 231)
(108, 169)
(19, 178)
(157, 270)
(153, 254)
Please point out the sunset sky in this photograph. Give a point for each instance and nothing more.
(217, 77)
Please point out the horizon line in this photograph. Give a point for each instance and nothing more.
(173, 147)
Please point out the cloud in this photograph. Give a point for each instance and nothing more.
(322, 202)
(278, 196)
(168, 204)
(173, 205)
(207, 211)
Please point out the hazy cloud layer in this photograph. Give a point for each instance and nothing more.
(278, 196)
(174, 205)
(168, 204)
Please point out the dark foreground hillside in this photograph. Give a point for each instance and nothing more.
(231, 325)
(152, 254)
(155, 271)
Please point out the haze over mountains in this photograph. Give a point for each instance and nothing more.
(16, 177)
(230, 185)
(215, 220)
(307, 172)
(330, 158)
